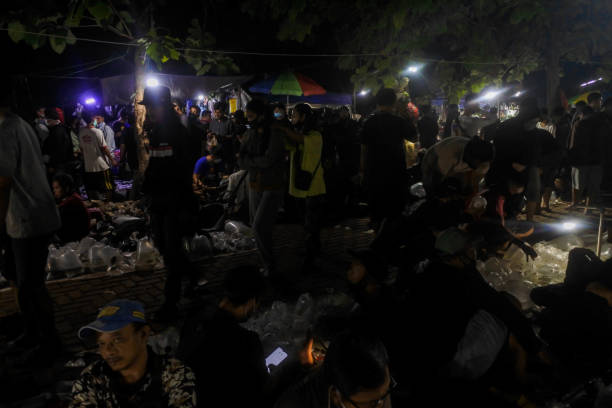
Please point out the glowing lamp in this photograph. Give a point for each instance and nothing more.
(90, 101)
(152, 82)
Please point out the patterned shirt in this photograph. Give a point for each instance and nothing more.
(167, 383)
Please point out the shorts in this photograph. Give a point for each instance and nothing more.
(548, 177)
(99, 181)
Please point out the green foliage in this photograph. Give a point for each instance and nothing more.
(123, 18)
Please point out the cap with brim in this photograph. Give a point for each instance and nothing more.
(114, 316)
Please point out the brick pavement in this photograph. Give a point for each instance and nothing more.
(76, 300)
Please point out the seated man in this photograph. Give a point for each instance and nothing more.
(355, 374)
(457, 157)
(74, 215)
(129, 373)
(228, 359)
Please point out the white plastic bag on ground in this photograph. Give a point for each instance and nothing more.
(147, 255)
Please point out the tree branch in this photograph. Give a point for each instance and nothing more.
(127, 29)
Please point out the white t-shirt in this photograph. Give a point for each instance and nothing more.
(92, 142)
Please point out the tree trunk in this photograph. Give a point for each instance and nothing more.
(139, 113)
(552, 73)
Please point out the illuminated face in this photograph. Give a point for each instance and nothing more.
(193, 110)
(58, 191)
(296, 118)
(122, 348)
(218, 114)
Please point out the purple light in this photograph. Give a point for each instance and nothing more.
(90, 101)
(591, 82)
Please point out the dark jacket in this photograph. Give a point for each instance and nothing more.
(428, 131)
(262, 154)
(58, 146)
(168, 178)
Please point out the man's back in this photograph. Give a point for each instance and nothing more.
(92, 143)
(31, 211)
(58, 146)
(384, 135)
(428, 131)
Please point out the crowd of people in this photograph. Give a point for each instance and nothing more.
(429, 330)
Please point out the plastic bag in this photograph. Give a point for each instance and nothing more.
(237, 227)
(418, 190)
(102, 257)
(63, 262)
(197, 247)
(166, 342)
(146, 255)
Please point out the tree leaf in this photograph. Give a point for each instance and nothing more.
(99, 9)
(16, 31)
(57, 44)
(70, 38)
(205, 68)
(127, 17)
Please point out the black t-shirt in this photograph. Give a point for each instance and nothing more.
(58, 146)
(384, 135)
(169, 173)
(228, 362)
(428, 130)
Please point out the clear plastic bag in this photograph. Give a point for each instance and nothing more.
(147, 255)
(237, 227)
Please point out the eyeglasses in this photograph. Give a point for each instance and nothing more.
(375, 403)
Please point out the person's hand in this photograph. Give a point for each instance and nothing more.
(356, 272)
(529, 251)
(114, 162)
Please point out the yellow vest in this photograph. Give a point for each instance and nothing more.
(311, 149)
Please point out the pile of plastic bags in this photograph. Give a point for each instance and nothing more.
(235, 237)
(517, 275)
(287, 325)
(91, 256)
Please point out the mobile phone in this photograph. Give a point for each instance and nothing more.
(277, 357)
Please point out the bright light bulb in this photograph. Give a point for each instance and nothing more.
(90, 101)
(200, 97)
(569, 226)
(364, 92)
(519, 93)
(152, 82)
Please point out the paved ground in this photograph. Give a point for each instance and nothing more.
(77, 300)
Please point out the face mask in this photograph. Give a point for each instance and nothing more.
(95, 123)
(278, 115)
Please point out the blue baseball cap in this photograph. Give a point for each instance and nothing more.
(114, 316)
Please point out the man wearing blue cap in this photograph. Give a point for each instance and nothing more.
(130, 374)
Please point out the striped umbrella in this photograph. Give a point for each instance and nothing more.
(288, 83)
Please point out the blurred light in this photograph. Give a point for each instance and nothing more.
(569, 226)
(591, 82)
(200, 97)
(90, 101)
(364, 92)
(519, 93)
(413, 68)
(152, 82)
(491, 94)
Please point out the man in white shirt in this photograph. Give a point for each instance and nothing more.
(107, 131)
(98, 159)
(28, 211)
(470, 125)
